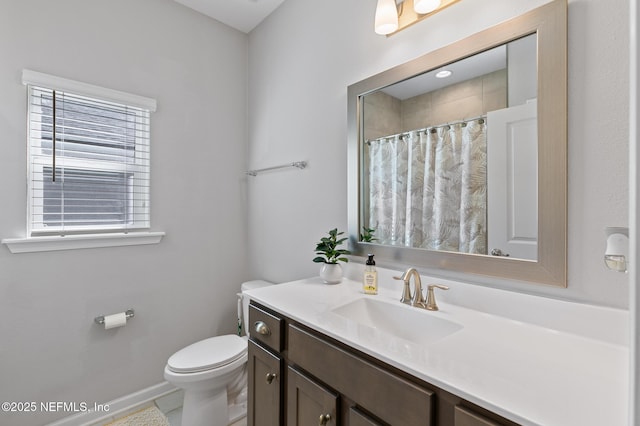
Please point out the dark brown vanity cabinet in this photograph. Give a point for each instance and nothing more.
(385, 395)
(265, 368)
(265, 387)
(465, 417)
(299, 377)
(308, 402)
(357, 418)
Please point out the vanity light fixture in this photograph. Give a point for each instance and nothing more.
(386, 17)
(426, 6)
(395, 15)
(617, 251)
(443, 74)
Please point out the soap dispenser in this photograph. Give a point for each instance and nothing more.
(370, 282)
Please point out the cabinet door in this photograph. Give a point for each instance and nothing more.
(358, 418)
(309, 403)
(265, 390)
(464, 417)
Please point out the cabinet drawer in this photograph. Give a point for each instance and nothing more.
(265, 327)
(391, 398)
(465, 417)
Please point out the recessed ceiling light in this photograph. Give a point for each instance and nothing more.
(443, 74)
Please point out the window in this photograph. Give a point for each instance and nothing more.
(89, 168)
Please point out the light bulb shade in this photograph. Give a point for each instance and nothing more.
(425, 6)
(386, 17)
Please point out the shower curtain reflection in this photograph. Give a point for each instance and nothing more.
(427, 188)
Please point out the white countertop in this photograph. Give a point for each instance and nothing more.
(528, 373)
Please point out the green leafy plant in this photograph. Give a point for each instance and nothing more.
(367, 235)
(328, 250)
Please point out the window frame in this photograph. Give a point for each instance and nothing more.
(120, 237)
(34, 81)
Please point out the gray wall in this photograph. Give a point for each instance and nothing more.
(182, 289)
(303, 57)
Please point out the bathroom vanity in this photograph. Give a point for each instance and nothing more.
(327, 382)
(330, 355)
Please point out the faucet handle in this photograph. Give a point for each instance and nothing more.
(406, 291)
(431, 297)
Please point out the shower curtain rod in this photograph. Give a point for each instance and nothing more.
(464, 121)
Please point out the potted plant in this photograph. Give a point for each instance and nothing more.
(329, 254)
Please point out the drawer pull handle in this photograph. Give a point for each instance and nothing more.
(324, 419)
(262, 328)
(271, 377)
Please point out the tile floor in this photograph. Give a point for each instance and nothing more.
(171, 406)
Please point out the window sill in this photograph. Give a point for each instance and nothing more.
(71, 242)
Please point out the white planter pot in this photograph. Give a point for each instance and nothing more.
(331, 273)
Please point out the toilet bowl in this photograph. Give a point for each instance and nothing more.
(213, 374)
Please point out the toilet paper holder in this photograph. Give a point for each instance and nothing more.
(100, 319)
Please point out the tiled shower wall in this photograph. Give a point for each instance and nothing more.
(386, 115)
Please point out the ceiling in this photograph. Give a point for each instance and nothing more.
(474, 66)
(465, 69)
(243, 15)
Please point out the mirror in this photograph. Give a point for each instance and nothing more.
(467, 172)
(449, 159)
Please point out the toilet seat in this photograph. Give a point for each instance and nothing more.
(208, 354)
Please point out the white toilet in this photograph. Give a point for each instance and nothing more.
(213, 374)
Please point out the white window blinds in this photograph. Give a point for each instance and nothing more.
(89, 168)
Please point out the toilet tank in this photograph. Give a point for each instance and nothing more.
(243, 303)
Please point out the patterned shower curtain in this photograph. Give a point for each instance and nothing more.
(428, 188)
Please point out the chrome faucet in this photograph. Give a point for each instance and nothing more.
(417, 299)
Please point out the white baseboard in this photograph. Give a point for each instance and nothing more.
(118, 406)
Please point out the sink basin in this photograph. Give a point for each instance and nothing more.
(402, 321)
